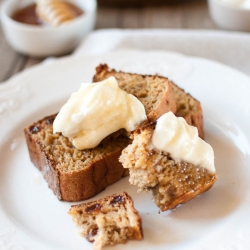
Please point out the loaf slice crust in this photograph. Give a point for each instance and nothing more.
(74, 174)
(188, 108)
(154, 92)
(108, 221)
(172, 182)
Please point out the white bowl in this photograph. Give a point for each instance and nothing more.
(228, 17)
(41, 41)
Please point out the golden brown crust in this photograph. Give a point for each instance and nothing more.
(166, 104)
(188, 108)
(74, 185)
(38, 157)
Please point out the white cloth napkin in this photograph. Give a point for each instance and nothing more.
(230, 48)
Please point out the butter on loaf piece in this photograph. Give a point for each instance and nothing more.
(173, 179)
(108, 221)
(97, 110)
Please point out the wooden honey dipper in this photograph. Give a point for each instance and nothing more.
(54, 12)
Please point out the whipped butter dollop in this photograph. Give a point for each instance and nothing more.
(173, 135)
(95, 111)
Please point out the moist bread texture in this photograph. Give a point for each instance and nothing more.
(74, 174)
(108, 221)
(154, 92)
(172, 182)
(157, 94)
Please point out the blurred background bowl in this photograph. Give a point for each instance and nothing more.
(43, 41)
(138, 3)
(229, 17)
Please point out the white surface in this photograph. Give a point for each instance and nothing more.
(242, 4)
(31, 216)
(230, 17)
(230, 48)
(46, 41)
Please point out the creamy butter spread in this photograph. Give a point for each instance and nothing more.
(241, 4)
(175, 136)
(95, 111)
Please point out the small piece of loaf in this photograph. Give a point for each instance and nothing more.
(171, 182)
(108, 221)
(157, 94)
(74, 174)
(154, 92)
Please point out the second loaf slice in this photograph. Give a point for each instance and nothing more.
(154, 92)
(157, 94)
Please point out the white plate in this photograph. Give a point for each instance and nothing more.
(31, 217)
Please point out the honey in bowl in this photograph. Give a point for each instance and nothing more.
(36, 14)
(27, 15)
